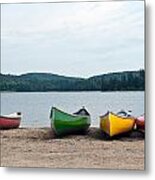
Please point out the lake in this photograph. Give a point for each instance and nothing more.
(36, 107)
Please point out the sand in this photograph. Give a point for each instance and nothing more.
(40, 148)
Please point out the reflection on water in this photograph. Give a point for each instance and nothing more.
(36, 106)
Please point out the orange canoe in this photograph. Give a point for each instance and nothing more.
(140, 123)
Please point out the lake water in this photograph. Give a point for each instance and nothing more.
(36, 106)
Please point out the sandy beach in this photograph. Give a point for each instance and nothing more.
(38, 147)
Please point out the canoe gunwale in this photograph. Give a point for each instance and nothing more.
(11, 118)
(73, 115)
(109, 112)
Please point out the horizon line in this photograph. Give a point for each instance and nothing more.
(41, 72)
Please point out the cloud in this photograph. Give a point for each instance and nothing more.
(77, 33)
(33, 19)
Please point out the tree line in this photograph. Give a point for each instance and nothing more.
(31, 82)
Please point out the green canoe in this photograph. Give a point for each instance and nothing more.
(64, 123)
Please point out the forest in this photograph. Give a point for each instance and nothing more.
(43, 82)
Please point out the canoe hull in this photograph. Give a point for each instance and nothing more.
(9, 123)
(113, 124)
(140, 123)
(63, 123)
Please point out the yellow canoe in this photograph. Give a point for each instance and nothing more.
(113, 124)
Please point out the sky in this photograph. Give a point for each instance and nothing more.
(72, 39)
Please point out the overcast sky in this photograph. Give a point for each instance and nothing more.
(73, 39)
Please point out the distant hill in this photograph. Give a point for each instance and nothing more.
(31, 82)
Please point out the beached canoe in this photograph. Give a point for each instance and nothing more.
(140, 123)
(64, 123)
(113, 124)
(10, 121)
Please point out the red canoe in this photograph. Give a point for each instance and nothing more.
(140, 123)
(10, 121)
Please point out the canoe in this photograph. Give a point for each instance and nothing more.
(113, 124)
(10, 121)
(65, 123)
(140, 123)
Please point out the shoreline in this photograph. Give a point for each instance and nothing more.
(3, 92)
(39, 147)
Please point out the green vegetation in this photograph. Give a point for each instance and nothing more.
(31, 82)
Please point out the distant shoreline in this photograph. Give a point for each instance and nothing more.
(2, 92)
(43, 82)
